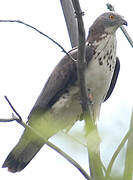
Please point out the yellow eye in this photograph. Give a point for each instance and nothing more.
(111, 16)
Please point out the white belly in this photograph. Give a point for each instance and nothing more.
(99, 78)
(98, 75)
(101, 69)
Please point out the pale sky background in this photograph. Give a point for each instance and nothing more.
(26, 61)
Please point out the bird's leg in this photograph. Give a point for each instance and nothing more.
(90, 104)
(90, 97)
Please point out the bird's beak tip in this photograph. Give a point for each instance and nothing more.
(125, 22)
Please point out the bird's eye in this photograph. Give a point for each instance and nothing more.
(111, 16)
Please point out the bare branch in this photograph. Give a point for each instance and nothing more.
(73, 138)
(81, 60)
(118, 151)
(8, 120)
(95, 164)
(19, 117)
(51, 145)
(128, 136)
(111, 8)
(70, 20)
(40, 32)
(128, 171)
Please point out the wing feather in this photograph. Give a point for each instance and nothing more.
(63, 76)
(114, 79)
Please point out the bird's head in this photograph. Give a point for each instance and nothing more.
(107, 23)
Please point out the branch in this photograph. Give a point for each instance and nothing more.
(85, 102)
(40, 32)
(95, 164)
(51, 145)
(19, 117)
(118, 151)
(73, 138)
(81, 143)
(128, 171)
(128, 136)
(8, 120)
(111, 8)
(70, 20)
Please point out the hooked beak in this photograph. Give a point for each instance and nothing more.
(123, 22)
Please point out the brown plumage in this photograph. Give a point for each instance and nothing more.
(58, 105)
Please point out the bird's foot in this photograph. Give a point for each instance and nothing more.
(90, 97)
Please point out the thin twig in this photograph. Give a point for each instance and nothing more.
(81, 143)
(8, 120)
(128, 169)
(14, 110)
(73, 138)
(51, 145)
(111, 8)
(40, 32)
(118, 151)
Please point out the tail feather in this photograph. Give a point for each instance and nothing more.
(14, 165)
(47, 124)
(22, 154)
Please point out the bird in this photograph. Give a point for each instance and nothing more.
(58, 106)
